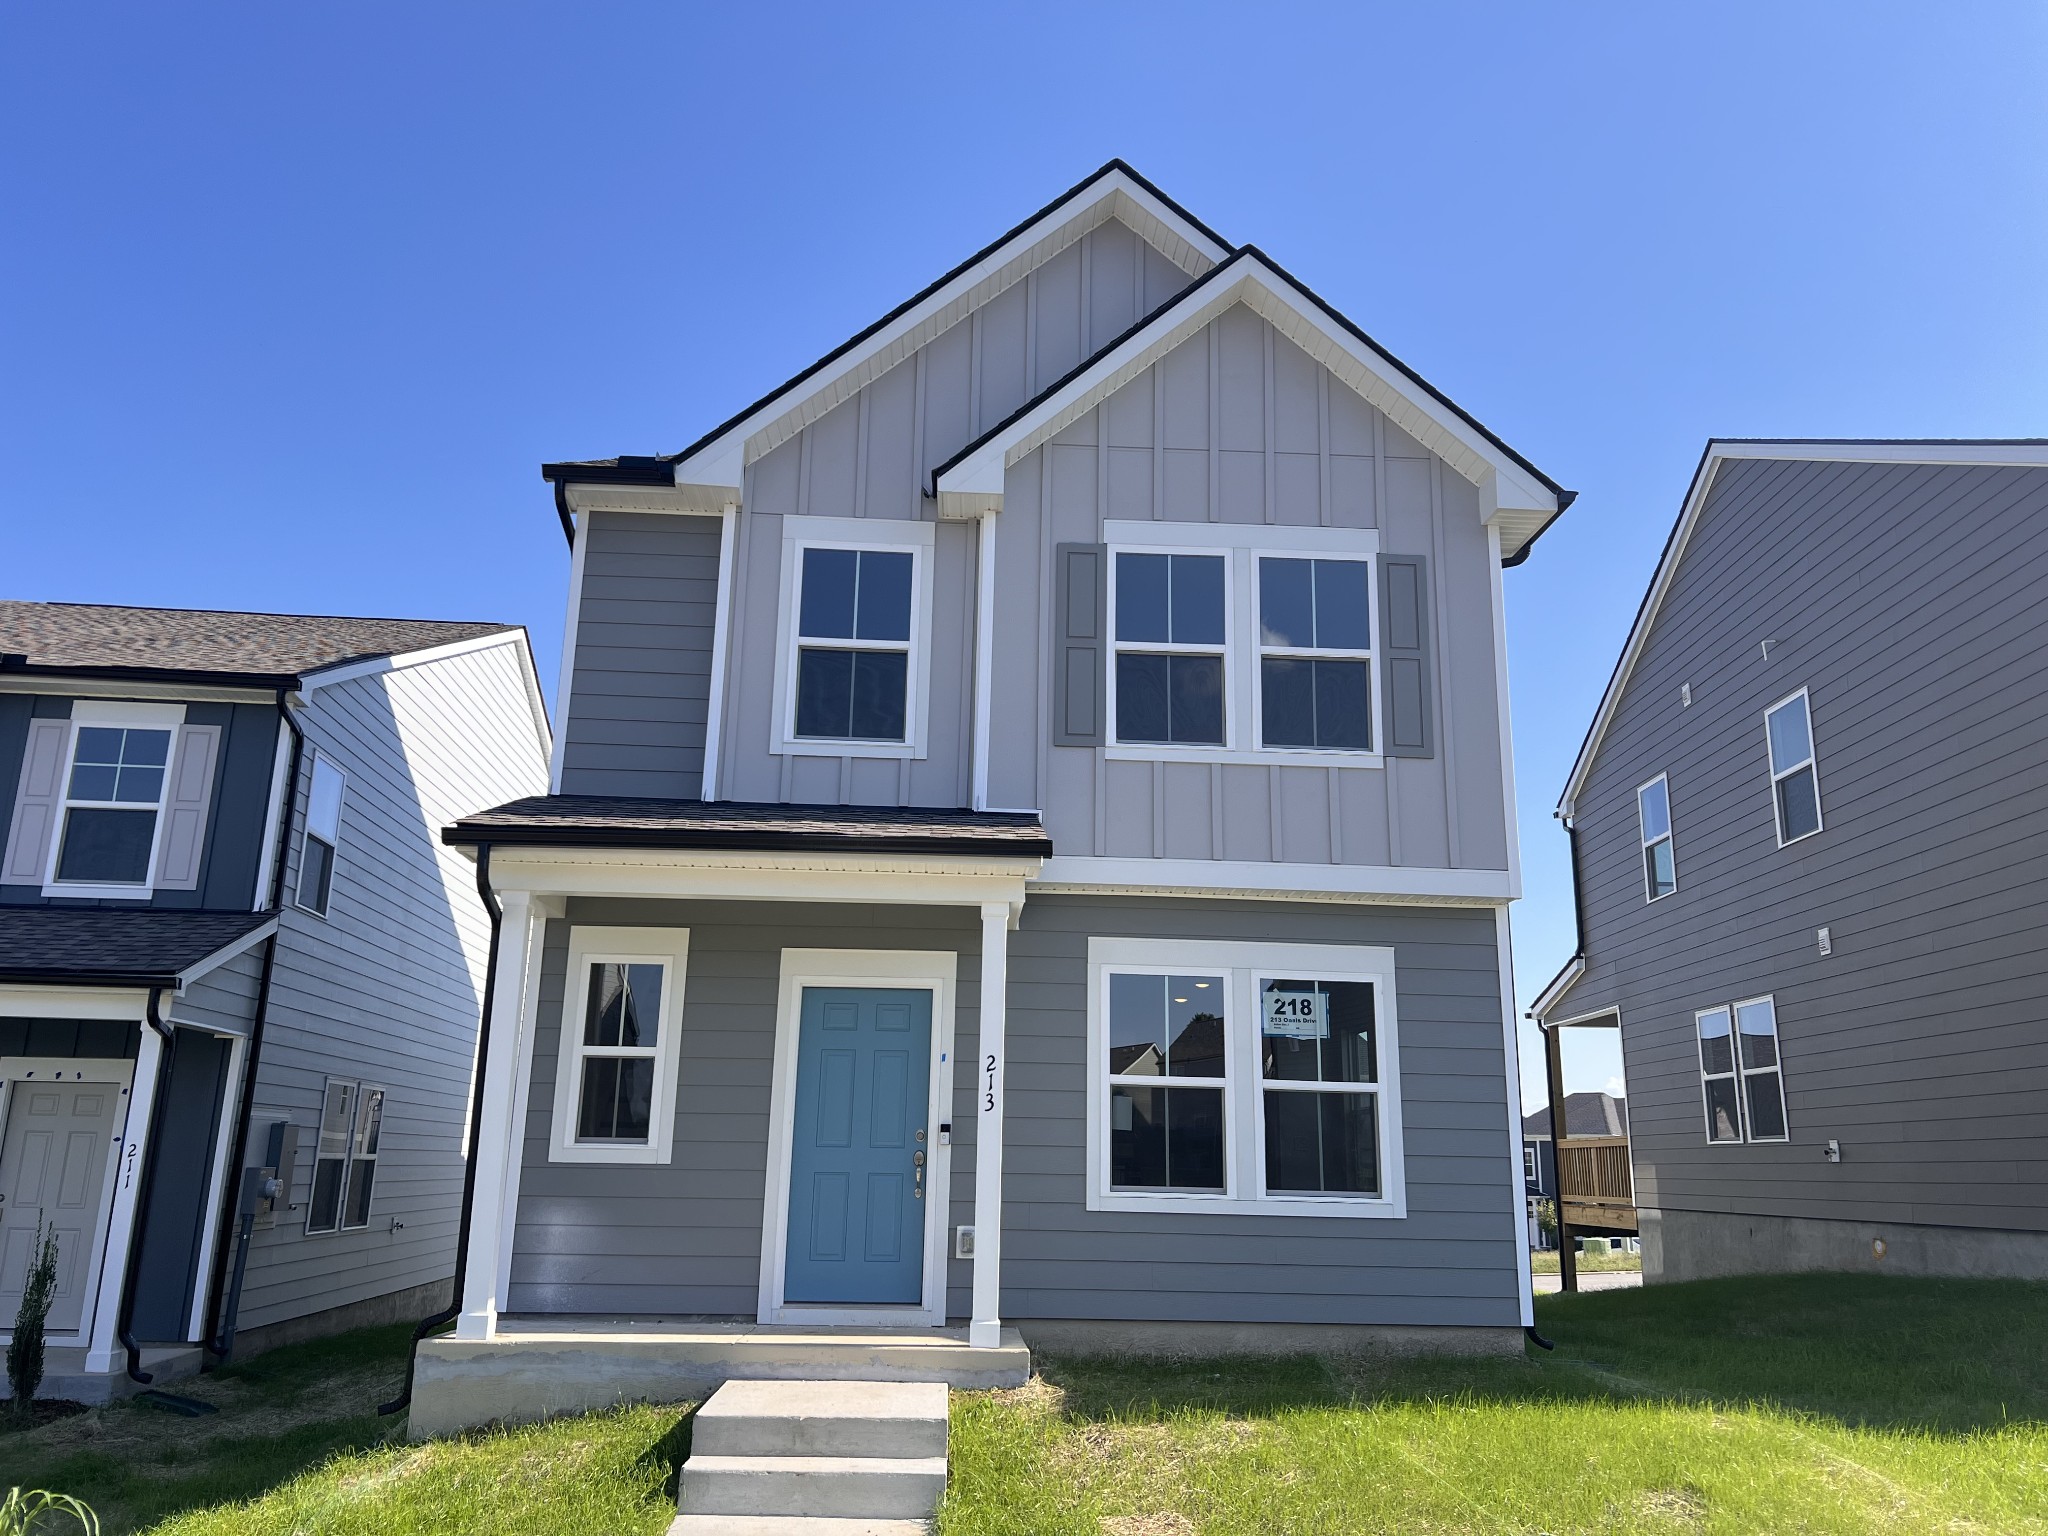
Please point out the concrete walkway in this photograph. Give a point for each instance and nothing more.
(1609, 1280)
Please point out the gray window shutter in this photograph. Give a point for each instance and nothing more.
(1080, 643)
(1409, 723)
(184, 835)
(36, 804)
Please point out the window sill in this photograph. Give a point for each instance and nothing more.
(1355, 1207)
(805, 746)
(573, 1153)
(1265, 757)
(99, 892)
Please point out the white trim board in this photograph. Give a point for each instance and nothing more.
(2023, 453)
(931, 970)
(1311, 882)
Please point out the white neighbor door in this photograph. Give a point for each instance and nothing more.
(53, 1161)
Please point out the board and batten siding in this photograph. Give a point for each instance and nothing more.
(685, 1238)
(1237, 425)
(386, 988)
(1906, 599)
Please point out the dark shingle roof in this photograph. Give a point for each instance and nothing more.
(275, 647)
(1585, 1114)
(98, 946)
(604, 821)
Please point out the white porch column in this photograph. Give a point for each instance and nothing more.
(122, 1219)
(496, 1138)
(986, 1330)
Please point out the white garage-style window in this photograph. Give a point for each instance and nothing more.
(855, 637)
(615, 1083)
(115, 781)
(1243, 1078)
(345, 1160)
(1795, 780)
(1742, 1080)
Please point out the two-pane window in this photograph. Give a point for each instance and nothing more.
(113, 799)
(345, 1161)
(1741, 1078)
(1171, 628)
(1253, 1079)
(322, 836)
(855, 610)
(1315, 653)
(1653, 818)
(1795, 785)
(621, 1018)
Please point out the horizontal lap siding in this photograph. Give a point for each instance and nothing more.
(1904, 598)
(686, 1238)
(642, 678)
(386, 987)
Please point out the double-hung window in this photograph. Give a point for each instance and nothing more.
(345, 1162)
(1795, 785)
(1653, 820)
(855, 637)
(1315, 653)
(322, 836)
(1741, 1078)
(1243, 1078)
(114, 787)
(616, 1066)
(1172, 617)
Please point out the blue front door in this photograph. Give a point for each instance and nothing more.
(857, 1147)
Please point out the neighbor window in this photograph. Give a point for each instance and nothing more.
(1240, 1077)
(854, 626)
(620, 1017)
(1795, 789)
(345, 1163)
(322, 836)
(1653, 816)
(1315, 645)
(1170, 627)
(1529, 1164)
(113, 800)
(1740, 1074)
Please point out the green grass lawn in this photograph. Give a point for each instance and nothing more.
(1809, 1404)
(1615, 1262)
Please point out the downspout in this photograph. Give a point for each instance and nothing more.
(449, 1313)
(236, 1228)
(124, 1312)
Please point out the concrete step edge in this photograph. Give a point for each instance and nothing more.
(793, 1525)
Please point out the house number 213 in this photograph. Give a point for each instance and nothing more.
(988, 1102)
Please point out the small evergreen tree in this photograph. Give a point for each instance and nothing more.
(39, 1288)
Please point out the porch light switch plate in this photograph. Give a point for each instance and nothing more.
(963, 1242)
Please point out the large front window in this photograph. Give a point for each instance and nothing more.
(621, 1018)
(113, 798)
(1241, 1077)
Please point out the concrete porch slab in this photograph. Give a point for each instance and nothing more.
(539, 1368)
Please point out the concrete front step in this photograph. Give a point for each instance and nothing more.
(872, 1487)
(823, 1418)
(791, 1525)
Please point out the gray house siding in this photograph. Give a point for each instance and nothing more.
(183, 1144)
(385, 989)
(1905, 599)
(642, 675)
(685, 1238)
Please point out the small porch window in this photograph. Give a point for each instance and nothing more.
(621, 1016)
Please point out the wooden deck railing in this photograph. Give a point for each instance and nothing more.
(1594, 1168)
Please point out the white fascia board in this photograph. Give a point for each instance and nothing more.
(1116, 195)
(34, 1000)
(222, 956)
(2017, 453)
(933, 880)
(1560, 984)
(1308, 882)
(974, 485)
(584, 498)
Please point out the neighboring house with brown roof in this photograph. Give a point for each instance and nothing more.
(1028, 854)
(230, 942)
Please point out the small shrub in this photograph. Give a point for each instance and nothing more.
(23, 1513)
(25, 1351)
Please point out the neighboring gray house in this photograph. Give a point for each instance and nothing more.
(230, 938)
(1808, 825)
(1029, 855)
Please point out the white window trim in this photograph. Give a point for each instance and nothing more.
(883, 535)
(145, 717)
(666, 947)
(1670, 835)
(1744, 1074)
(1811, 760)
(934, 971)
(1240, 544)
(307, 834)
(1342, 757)
(1532, 1166)
(1245, 966)
(349, 1158)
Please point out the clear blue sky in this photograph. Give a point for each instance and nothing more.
(293, 299)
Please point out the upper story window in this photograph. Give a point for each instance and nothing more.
(1172, 619)
(113, 798)
(1315, 653)
(1653, 817)
(1741, 1077)
(621, 1021)
(854, 637)
(1242, 1078)
(322, 836)
(1795, 784)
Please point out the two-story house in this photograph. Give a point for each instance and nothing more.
(1028, 857)
(239, 973)
(1807, 825)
